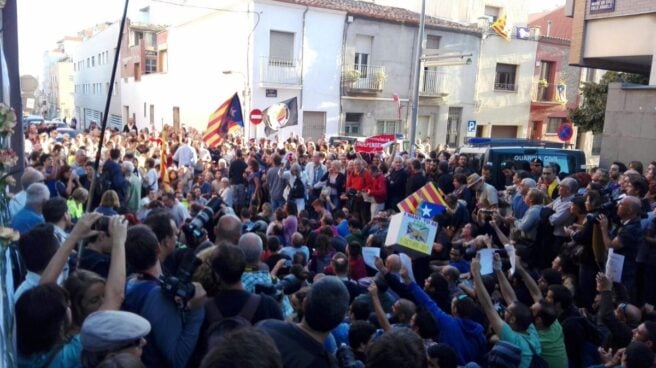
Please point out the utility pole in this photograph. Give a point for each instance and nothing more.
(415, 98)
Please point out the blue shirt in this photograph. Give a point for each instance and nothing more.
(68, 356)
(26, 219)
(519, 207)
(173, 336)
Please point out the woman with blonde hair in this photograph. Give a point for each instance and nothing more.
(77, 202)
(109, 203)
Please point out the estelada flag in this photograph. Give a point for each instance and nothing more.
(163, 161)
(280, 115)
(228, 118)
(501, 28)
(427, 193)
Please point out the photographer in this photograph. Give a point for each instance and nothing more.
(174, 330)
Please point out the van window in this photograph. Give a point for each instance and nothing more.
(566, 162)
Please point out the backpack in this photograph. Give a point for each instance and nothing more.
(298, 190)
(220, 325)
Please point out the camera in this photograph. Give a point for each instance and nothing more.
(179, 287)
(196, 225)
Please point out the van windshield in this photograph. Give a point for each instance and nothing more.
(567, 163)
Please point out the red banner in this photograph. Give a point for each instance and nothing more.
(374, 144)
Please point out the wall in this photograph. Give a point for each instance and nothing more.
(602, 38)
(502, 107)
(318, 47)
(629, 129)
(100, 42)
(198, 52)
(398, 62)
(65, 91)
(556, 51)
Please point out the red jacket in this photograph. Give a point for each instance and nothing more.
(378, 188)
(358, 182)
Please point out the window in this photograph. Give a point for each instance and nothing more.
(433, 42)
(93, 61)
(151, 62)
(281, 47)
(363, 45)
(137, 36)
(387, 126)
(352, 124)
(137, 72)
(492, 12)
(88, 62)
(596, 143)
(505, 78)
(454, 121)
(553, 125)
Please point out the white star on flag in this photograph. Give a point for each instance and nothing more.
(425, 211)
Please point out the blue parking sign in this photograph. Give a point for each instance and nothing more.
(471, 126)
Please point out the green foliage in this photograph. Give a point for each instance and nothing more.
(589, 117)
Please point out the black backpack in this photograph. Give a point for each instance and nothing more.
(298, 190)
(103, 183)
(219, 325)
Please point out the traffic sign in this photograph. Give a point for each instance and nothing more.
(471, 128)
(255, 116)
(565, 132)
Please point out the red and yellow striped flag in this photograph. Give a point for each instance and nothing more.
(427, 193)
(226, 119)
(163, 162)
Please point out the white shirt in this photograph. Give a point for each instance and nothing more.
(151, 179)
(185, 155)
(31, 281)
(17, 203)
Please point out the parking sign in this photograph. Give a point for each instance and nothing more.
(471, 128)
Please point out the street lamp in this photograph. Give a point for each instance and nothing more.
(245, 93)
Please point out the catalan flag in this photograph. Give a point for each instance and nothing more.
(428, 193)
(501, 27)
(163, 161)
(226, 119)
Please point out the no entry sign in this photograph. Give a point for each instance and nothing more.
(255, 116)
(565, 132)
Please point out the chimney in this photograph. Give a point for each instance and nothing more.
(549, 28)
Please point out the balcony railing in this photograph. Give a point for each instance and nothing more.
(364, 77)
(279, 71)
(543, 92)
(505, 87)
(433, 83)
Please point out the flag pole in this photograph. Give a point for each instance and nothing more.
(110, 90)
(415, 97)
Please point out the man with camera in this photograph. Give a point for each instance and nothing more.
(174, 310)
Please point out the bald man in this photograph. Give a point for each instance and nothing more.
(627, 238)
(30, 176)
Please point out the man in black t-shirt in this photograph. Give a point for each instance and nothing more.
(301, 344)
(229, 264)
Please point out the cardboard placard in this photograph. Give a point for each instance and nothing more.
(412, 232)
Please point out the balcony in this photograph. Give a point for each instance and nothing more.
(363, 78)
(433, 84)
(279, 73)
(543, 93)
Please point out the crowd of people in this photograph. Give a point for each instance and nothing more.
(251, 254)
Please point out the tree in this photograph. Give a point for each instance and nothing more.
(589, 117)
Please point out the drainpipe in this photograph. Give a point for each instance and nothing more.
(342, 91)
(303, 56)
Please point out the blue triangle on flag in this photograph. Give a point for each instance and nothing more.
(429, 210)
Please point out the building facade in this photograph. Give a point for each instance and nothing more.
(378, 70)
(597, 42)
(57, 80)
(92, 67)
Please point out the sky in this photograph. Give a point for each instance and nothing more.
(41, 23)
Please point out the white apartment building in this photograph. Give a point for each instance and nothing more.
(92, 66)
(266, 51)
